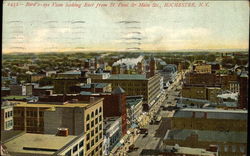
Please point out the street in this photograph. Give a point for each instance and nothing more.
(156, 132)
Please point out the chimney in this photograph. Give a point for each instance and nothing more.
(91, 99)
(62, 132)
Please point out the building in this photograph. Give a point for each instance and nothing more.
(182, 151)
(41, 91)
(201, 91)
(136, 84)
(5, 91)
(92, 87)
(112, 133)
(243, 94)
(210, 119)
(134, 110)
(37, 77)
(77, 117)
(20, 89)
(28, 144)
(6, 116)
(228, 143)
(64, 81)
(199, 128)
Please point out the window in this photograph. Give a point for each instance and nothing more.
(242, 149)
(92, 124)
(75, 148)
(100, 127)
(92, 114)
(100, 109)
(92, 133)
(100, 136)
(100, 118)
(92, 142)
(88, 136)
(96, 130)
(68, 153)
(81, 153)
(96, 111)
(96, 120)
(88, 127)
(6, 114)
(87, 119)
(88, 146)
(96, 139)
(81, 144)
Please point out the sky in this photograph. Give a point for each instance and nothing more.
(222, 25)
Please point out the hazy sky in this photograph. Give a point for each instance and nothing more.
(222, 25)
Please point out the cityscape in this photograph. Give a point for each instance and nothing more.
(125, 104)
(124, 78)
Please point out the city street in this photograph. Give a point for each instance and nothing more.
(156, 132)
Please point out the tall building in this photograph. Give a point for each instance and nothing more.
(6, 116)
(137, 84)
(77, 117)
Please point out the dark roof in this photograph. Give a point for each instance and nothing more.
(118, 90)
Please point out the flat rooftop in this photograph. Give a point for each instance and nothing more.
(49, 105)
(48, 144)
(212, 113)
(206, 135)
(127, 77)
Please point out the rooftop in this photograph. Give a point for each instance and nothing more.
(72, 72)
(212, 113)
(206, 135)
(53, 105)
(127, 77)
(48, 144)
(133, 101)
(45, 87)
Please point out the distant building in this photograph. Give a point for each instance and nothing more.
(169, 73)
(37, 77)
(112, 133)
(202, 68)
(28, 144)
(20, 90)
(92, 87)
(201, 92)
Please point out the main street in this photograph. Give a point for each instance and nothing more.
(156, 132)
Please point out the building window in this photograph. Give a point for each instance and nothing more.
(96, 120)
(92, 114)
(100, 118)
(100, 127)
(92, 142)
(68, 153)
(100, 135)
(96, 139)
(92, 124)
(242, 149)
(88, 136)
(81, 153)
(233, 148)
(87, 119)
(100, 109)
(96, 111)
(75, 149)
(92, 133)
(87, 126)
(81, 144)
(96, 130)
(88, 146)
